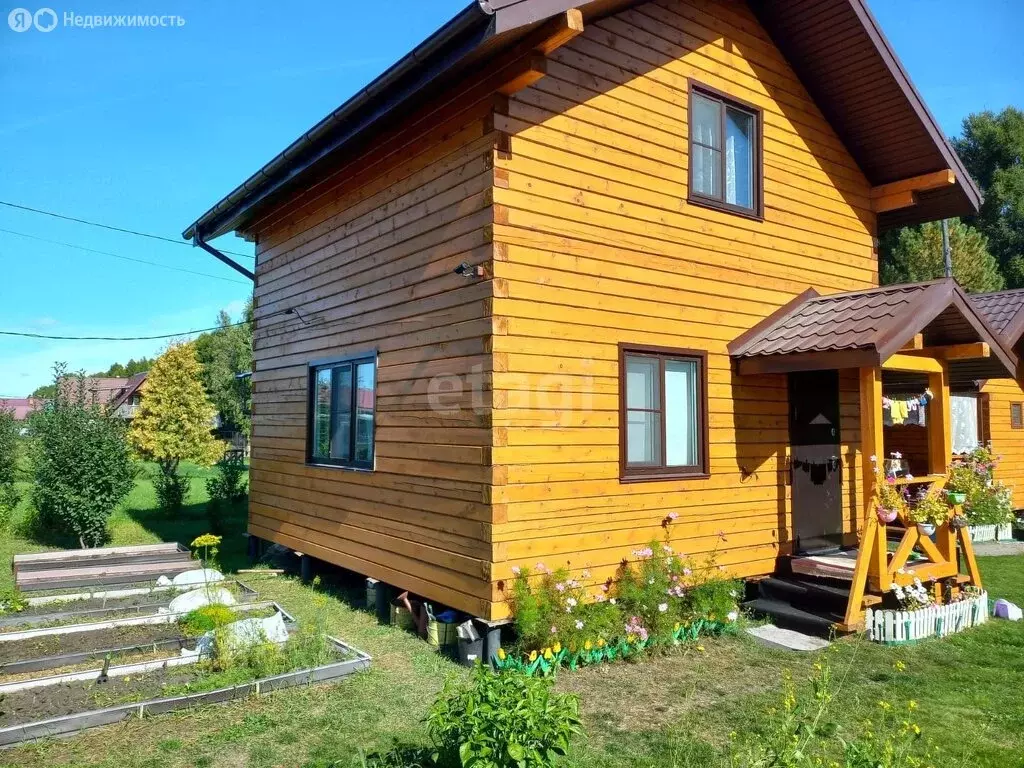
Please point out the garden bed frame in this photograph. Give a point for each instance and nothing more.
(156, 618)
(249, 596)
(70, 724)
(112, 565)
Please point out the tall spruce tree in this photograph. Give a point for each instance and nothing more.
(913, 254)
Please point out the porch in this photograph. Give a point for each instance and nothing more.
(921, 341)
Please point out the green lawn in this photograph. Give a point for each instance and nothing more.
(675, 711)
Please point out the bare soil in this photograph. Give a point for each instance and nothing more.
(98, 640)
(69, 698)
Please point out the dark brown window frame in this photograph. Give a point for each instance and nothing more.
(1019, 422)
(328, 363)
(706, 201)
(701, 470)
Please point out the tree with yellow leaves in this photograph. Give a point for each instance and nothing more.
(174, 422)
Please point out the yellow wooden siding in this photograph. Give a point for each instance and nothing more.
(596, 245)
(1008, 443)
(367, 258)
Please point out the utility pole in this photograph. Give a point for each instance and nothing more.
(947, 253)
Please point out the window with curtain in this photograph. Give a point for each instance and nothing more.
(966, 432)
(664, 413)
(341, 408)
(725, 156)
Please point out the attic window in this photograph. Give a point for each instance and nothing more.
(725, 152)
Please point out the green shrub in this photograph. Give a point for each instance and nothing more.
(172, 489)
(206, 619)
(82, 465)
(503, 720)
(227, 488)
(8, 467)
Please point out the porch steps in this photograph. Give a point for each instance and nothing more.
(808, 604)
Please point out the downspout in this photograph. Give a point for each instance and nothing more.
(197, 240)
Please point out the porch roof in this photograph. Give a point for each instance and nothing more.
(1004, 311)
(865, 328)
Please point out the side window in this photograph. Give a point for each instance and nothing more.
(663, 413)
(341, 409)
(725, 153)
(1017, 415)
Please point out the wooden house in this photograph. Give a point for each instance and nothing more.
(569, 268)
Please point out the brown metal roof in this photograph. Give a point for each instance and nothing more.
(835, 46)
(865, 328)
(1004, 311)
(130, 388)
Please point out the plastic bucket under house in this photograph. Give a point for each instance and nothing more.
(471, 651)
(402, 618)
(441, 630)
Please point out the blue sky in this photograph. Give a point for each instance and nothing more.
(145, 128)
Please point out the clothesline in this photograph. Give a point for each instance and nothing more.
(906, 410)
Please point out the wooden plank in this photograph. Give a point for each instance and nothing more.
(973, 351)
(913, 364)
(894, 202)
(561, 30)
(923, 183)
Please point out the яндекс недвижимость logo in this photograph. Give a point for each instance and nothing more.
(22, 19)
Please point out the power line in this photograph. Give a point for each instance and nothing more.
(119, 256)
(119, 338)
(112, 228)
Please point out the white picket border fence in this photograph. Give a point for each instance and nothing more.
(889, 626)
(991, 532)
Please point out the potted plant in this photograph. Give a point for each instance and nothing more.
(889, 501)
(961, 482)
(929, 512)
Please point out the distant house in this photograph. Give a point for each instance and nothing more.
(125, 403)
(99, 390)
(22, 406)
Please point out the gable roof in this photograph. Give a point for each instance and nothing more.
(130, 388)
(865, 328)
(835, 46)
(1004, 311)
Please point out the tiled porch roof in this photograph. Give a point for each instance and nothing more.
(865, 328)
(1004, 311)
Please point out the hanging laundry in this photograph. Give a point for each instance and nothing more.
(899, 411)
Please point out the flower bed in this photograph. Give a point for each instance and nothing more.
(899, 626)
(657, 600)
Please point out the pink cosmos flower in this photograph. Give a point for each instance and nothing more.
(554, 630)
(516, 570)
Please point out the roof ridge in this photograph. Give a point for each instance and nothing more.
(883, 289)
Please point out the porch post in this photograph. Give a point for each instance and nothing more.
(940, 448)
(871, 558)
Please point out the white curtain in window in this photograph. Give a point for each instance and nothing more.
(964, 410)
(681, 413)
